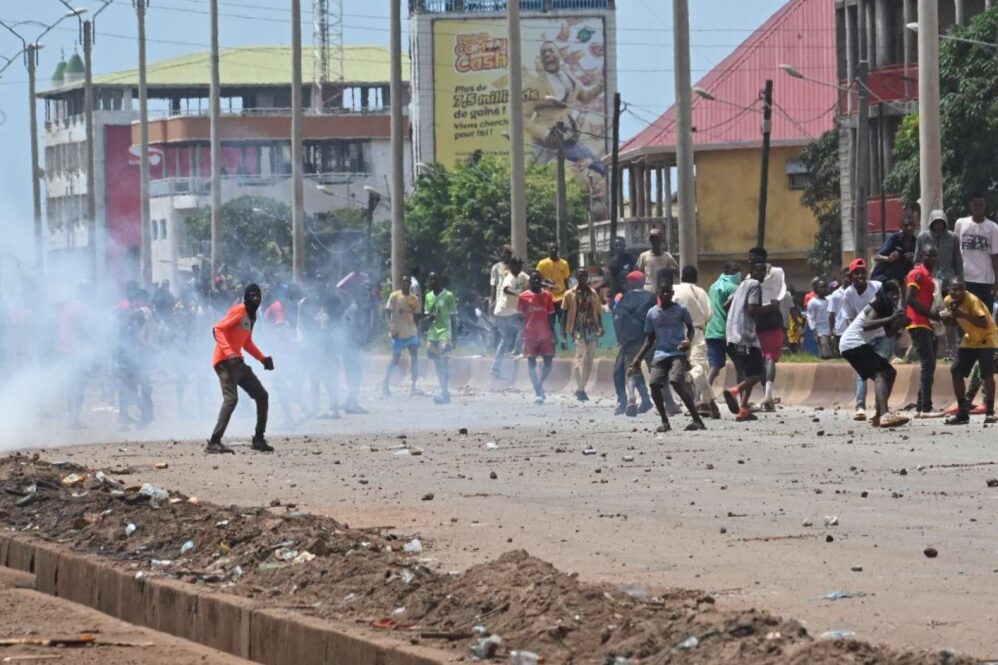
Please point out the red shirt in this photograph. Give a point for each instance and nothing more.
(807, 297)
(536, 308)
(233, 334)
(921, 279)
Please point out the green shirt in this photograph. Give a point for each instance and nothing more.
(441, 307)
(720, 291)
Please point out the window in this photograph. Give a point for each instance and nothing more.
(155, 229)
(162, 229)
(798, 175)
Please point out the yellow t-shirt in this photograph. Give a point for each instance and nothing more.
(403, 309)
(975, 337)
(556, 272)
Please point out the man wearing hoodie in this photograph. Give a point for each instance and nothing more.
(233, 334)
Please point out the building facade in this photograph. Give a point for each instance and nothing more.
(875, 32)
(347, 149)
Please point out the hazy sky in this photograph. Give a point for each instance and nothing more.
(644, 35)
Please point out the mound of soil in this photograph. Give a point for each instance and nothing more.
(323, 568)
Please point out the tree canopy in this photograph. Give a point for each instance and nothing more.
(969, 115)
(822, 197)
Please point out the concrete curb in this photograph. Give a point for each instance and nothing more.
(228, 623)
(808, 384)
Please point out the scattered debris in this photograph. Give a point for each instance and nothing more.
(428, 496)
(930, 552)
(689, 643)
(414, 546)
(841, 595)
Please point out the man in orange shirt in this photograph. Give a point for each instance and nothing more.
(233, 334)
(920, 293)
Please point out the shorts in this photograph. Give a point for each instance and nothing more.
(400, 345)
(672, 369)
(866, 361)
(716, 349)
(439, 348)
(771, 342)
(747, 358)
(967, 358)
(543, 346)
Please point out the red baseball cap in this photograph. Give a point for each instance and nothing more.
(857, 264)
(635, 276)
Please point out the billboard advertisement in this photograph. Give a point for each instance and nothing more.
(564, 92)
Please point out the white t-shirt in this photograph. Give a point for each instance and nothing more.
(855, 337)
(505, 303)
(853, 301)
(817, 316)
(835, 307)
(741, 326)
(978, 243)
(696, 301)
(650, 264)
(498, 271)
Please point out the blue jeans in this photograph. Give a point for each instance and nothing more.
(624, 357)
(510, 332)
(884, 346)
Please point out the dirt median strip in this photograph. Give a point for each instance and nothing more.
(220, 576)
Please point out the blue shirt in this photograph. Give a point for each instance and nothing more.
(669, 326)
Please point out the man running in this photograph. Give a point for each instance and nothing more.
(507, 318)
(629, 314)
(402, 310)
(538, 310)
(919, 296)
(980, 340)
(233, 334)
(584, 323)
(769, 325)
(440, 308)
(861, 292)
(697, 303)
(743, 341)
(720, 295)
(669, 329)
(857, 346)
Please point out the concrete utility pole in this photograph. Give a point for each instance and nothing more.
(930, 143)
(398, 154)
(146, 235)
(297, 150)
(767, 128)
(615, 174)
(561, 204)
(517, 166)
(36, 185)
(88, 109)
(216, 150)
(688, 252)
(862, 161)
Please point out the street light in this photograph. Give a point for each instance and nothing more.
(914, 28)
(792, 71)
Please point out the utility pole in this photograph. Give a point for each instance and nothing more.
(36, 185)
(518, 196)
(929, 141)
(297, 156)
(688, 252)
(216, 150)
(88, 109)
(881, 171)
(145, 234)
(767, 128)
(862, 160)
(561, 208)
(398, 155)
(615, 173)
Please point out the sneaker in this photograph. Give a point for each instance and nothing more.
(929, 414)
(893, 420)
(581, 396)
(715, 413)
(731, 399)
(631, 411)
(218, 448)
(260, 445)
(645, 407)
(664, 427)
(768, 406)
(860, 415)
(745, 416)
(703, 409)
(539, 399)
(961, 418)
(696, 426)
(442, 399)
(620, 410)
(332, 414)
(355, 410)
(990, 419)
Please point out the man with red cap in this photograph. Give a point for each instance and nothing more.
(861, 293)
(233, 334)
(629, 314)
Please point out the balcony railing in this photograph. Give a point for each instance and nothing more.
(264, 111)
(201, 185)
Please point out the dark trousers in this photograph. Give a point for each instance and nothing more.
(625, 355)
(924, 341)
(983, 291)
(232, 374)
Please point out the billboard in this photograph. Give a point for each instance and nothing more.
(564, 92)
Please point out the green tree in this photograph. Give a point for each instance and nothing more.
(256, 234)
(822, 197)
(456, 219)
(969, 115)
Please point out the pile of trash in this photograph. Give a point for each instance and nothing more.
(516, 609)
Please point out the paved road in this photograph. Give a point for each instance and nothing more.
(721, 510)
